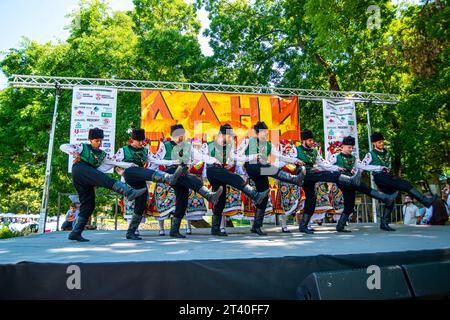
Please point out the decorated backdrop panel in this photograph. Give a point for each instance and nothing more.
(202, 113)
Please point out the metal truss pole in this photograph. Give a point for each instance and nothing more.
(48, 169)
(372, 182)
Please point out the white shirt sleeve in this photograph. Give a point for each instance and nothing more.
(71, 148)
(109, 163)
(277, 154)
(120, 155)
(205, 157)
(332, 159)
(325, 165)
(241, 156)
(364, 164)
(158, 157)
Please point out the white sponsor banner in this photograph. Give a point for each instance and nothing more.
(339, 121)
(93, 107)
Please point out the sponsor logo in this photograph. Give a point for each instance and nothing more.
(107, 114)
(79, 96)
(107, 145)
(92, 120)
(106, 121)
(98, 96)
(78, 125)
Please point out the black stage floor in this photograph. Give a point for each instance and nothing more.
(240, 266)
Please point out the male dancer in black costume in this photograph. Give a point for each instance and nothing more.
(255, 152)
(88, 172)
(173, 154)
(379, 162)
(136, 177)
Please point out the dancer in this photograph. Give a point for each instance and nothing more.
(317, 170)
(178, 152)
(379, 162)
(255, 153)
(346, 160)
(88, 172)
(220, 157)
(137, 176)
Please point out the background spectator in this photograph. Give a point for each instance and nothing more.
(71, 217)
(410, 211)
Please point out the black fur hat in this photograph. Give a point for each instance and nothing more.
(138, 134)
(178, 128)
(260, 125)
(226, 129)
(96, 133)
(376, 136)
(306, 134)
(349, 141)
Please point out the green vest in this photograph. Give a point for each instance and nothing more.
(92, 157)
(254, 147)
(219, 152)
(307, 155)
(134, 155)
(175, 151)
(346, 162)
(381, 158)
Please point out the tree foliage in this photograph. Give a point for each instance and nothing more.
(315, 44)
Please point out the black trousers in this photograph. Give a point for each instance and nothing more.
(219, 176)
(136, 178)
(85, 178)
(185, 182)
(388, 183)
(309, 183)
(349, 194)
(260, 174)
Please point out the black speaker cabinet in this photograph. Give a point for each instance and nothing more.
(385, 283)
(429, 280)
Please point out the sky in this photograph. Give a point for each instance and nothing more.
(45, 20)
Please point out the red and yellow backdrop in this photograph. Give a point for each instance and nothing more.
(202, 113)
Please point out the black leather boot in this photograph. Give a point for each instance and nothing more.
(427, 202)
(256, 196)
(340, 227)
(127, 191)
(78, 229)
(171, 179)
(215, 226)
(386, 219)
(212, 197)
(303, 227)
(352, 181)
(387, 199)
(175, 228)
(289, 178)
(134, 224)
(258, 222)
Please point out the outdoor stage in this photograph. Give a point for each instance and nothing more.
(240, 266)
